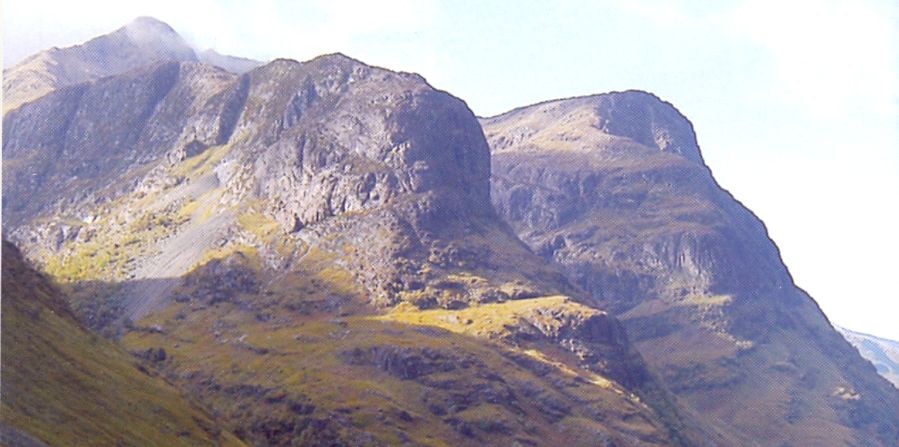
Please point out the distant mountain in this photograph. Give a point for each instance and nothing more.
(314, 247)
(65, 386)
(883, 353)
(613, 188)
(143, 41)
(238, 65)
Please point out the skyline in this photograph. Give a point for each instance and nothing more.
(779, 111)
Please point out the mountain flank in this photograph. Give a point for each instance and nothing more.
(613, 188)
(313, 246)
(142, 42)
(331, 253)
(63, 385)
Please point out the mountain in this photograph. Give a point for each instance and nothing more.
(65, 386)
(238, 65)
(316, 253)
(142, 42)
(314, 247)
(331, 152)
(883, 353)
(613, 188)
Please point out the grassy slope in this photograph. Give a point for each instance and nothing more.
(304, 361)
(68, 387)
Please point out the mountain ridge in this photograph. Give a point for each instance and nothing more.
(321, 254)
(326, 197)
(691, 272)
(141, 42)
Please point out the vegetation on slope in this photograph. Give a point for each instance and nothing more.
(297, 194)
(302, 360)
(67, 387)
(613, 188)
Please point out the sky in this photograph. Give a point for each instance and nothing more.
(795, 103)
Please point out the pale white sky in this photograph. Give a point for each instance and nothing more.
(795, 103)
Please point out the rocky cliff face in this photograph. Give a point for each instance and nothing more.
(613, 188)
(389, 137)
(383, 168)
(74, 147)
(332, 219)
(375, 165)
(311, 250)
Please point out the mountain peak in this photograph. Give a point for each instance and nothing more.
(647, 119)
(147, 23)
(628, 117)
(152, 36)
(142, 42)
(336, 60)
(234, 64)
(337, 56)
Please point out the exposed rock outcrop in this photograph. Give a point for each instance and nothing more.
(613, 188)
(183, 188)
(81, 145)
(373, 165)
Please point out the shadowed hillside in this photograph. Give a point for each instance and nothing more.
(63, 385)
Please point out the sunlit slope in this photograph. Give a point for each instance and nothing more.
(301, 356)
(64, 386)
(141, 42)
